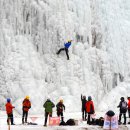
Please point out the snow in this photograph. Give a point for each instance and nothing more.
(82, 125)
(53, 128)
(33, 30)
(39, 119)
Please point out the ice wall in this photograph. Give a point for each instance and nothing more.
(33, 30)
(114, 19)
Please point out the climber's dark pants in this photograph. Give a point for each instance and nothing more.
(64, 49)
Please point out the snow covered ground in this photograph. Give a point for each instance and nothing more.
(33, 30)
(82, 125)
(61, 128)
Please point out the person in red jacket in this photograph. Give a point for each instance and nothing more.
(129, 109)
(26, 107)
(90, 109)
(9, 111)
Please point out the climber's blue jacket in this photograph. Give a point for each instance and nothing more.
(67, 45)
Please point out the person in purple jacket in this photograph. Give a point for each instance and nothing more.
(66, 47)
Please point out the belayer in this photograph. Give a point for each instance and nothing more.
(48, 105)
(66, 47)
(9, 111)
(123, 109)
(26, 105)
(60, 107)
(90, 110)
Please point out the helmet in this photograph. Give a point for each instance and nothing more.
(89, 98)
(8, 99)
(61, 100)
(27, 97)
(69, 40)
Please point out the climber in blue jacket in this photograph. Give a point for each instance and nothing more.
(66, 47)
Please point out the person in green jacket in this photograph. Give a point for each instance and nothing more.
(48, 105)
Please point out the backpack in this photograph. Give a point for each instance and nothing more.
(124, 105)
(99, 121)
(70, 122)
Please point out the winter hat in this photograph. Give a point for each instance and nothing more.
(122, 99)
(8, 99)
(48, 99)
(89, 98)
(110, 113)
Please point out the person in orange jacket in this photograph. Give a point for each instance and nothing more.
(90, 109)
(26, 107)
(9, 111)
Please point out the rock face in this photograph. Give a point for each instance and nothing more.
(33, 30)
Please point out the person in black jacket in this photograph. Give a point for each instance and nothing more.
(60, 107)
(84, 113)
(123, 109)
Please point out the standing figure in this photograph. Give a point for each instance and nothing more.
(90, 109)
(66, 47)
(48, 105)
(60, 107)
(9, 111)
(84, 113)
(123, 109)
(26, 106)
(129, 109)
